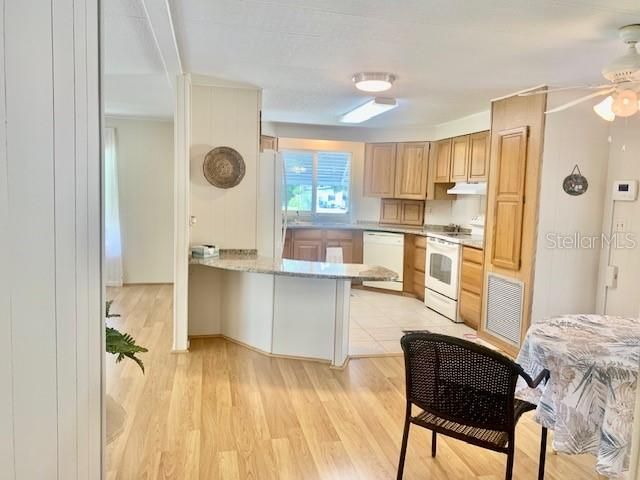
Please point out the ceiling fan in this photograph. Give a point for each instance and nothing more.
(622, 91)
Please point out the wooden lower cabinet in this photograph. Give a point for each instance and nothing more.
(471, 283)
(415, 251)
(310, 250)
(311, 244)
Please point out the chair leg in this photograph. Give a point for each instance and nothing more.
(403, 449)
(510, 455)
(434, 443)
(543, 453)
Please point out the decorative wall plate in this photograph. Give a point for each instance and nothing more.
(223, 167)
(575, 184)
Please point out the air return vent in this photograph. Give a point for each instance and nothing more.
(504, 307)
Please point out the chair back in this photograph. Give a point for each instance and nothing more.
(460, 380)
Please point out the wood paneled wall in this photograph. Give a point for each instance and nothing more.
(511, 113)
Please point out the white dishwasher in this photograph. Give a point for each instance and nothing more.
(387, 250)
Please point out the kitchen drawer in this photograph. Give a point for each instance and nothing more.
(339, 234)
(470, 305)
(472, 255)
(307, 234)
(471, 277)
(420, 241)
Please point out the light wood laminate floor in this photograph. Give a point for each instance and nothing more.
(224, 412)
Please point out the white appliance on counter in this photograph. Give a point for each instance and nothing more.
(442, 276)
(387, 250)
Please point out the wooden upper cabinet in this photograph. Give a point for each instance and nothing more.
(390, 211)
(509, 180)
(380, 169)
(479, 156)
(412, 163)
(442, 169)
(459, 158)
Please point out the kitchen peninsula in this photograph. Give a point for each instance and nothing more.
(281, 307)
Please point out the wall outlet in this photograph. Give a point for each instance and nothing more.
(620, 225)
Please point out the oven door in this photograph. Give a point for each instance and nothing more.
(442, 267)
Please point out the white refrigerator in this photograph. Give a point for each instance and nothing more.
(271, 213)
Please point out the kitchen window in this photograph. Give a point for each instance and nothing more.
(318, 182)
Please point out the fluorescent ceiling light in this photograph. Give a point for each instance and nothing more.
(373, 81)
(369, 110)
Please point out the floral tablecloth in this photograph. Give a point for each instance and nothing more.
(589, 400)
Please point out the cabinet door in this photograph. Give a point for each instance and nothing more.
(479, 156)
(412, 212)
(411, 170)
(379, 169)
(310, 250)
(287, 249)
(390, 211)
(470, 306)
(471, 277)
(347, 249)
(509, 184)
(459, 158)
(442, 170)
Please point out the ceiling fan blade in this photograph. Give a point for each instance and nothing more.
(562, 89)
(572, 103)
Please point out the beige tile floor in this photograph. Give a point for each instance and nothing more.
(378, 319)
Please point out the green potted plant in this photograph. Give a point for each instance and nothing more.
(124, 346)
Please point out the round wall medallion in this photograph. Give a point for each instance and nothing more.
(575, 184)
(223, 167)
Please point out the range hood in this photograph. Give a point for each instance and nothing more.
(464, 188)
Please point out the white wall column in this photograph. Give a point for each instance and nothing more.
(182, 139)
(51, 323)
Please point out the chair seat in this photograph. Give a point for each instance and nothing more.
(490, 438)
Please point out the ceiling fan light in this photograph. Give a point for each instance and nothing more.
(604, 109)
(625, 103)
(373, 81)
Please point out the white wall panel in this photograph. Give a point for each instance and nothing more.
(50, 299)
(224, 117)
(145, 173)
(566, 278)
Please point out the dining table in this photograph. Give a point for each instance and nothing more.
(589, 399)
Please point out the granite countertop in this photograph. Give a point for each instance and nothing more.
(249, 261)
(438, 231)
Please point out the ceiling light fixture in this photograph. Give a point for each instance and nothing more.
(369, 110)
(373, 81)
(624, 103)
(603, 109)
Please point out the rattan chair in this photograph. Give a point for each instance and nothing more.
(465, 391)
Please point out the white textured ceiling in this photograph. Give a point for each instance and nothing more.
(451, 56)
(134, 81)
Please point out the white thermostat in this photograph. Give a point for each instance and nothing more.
(625, 190)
